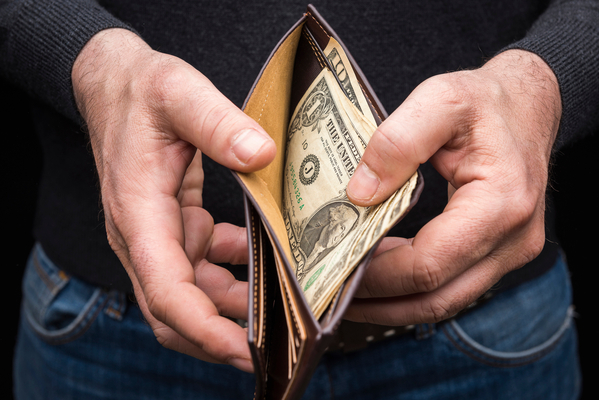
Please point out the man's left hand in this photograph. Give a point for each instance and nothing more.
(490, 133)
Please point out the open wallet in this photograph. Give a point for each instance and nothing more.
(286, 338)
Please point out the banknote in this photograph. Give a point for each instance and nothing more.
(323, 151)
(321, 292)
(347, 77)
(328, 133)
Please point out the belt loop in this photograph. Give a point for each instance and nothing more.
(424, 331)
(116, 306)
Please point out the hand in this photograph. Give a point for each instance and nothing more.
(149, 115)
(489, 132)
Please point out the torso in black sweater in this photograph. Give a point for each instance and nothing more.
(397, 45)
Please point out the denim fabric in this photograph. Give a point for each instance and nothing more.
(77, 341)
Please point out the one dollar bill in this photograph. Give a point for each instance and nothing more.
(327, 135)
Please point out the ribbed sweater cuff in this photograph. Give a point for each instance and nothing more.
(45, 39)
(568, 40)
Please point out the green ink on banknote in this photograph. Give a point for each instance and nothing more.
(314, 277)
(298, 195)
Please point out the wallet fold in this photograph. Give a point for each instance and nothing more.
(286, 341)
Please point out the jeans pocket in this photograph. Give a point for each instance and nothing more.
(59, 308)
(519, 326)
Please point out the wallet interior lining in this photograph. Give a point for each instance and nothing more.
(269, 106)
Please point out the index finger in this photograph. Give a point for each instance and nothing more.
(157, 260)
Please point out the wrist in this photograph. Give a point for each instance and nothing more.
(104, 65)
(532, 92)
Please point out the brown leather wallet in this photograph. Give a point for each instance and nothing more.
(286, 341)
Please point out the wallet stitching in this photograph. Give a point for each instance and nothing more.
(292, 313)
(315, 20)
(255, 275)
(257, 264)
(265, 99)
(319, 57)
(265, 304)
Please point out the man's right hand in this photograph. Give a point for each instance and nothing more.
(149, 116)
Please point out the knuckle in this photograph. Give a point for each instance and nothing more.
(238, 259)
(164, 338)
(218, 116)
(371, 318)
(534, 245)
(437, 311)
(155, 294)
(167, 79)
(427, 276)
(116, 243)
(458, 93)
(372, 287)
(390, 145)
(451, 89)
(523, 208)
(113, 219)
(224, 298)
(523, 213)
(538, 242)
(155, 304)
(167, 338)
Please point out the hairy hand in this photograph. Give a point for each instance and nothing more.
(149, 115)
(489, 132)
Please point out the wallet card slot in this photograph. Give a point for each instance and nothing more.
(322, 60)
(295, 335)
(271, 302)
(313, 24)
(258, 315)
(290, 304)
(308, 64)
(310, 60)
(321, 32)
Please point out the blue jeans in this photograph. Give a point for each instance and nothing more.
(77, 341)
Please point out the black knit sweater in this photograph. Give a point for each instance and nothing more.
(398, 44)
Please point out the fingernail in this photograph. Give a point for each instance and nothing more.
(248, 143)
(364, 184)
(242, 364)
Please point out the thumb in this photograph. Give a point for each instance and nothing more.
(201, 115)
(409, 137)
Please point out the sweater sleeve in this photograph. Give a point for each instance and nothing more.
(566, 36)
(39, 41)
